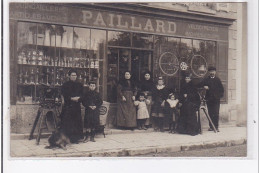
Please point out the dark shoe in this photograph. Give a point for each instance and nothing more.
(139, 128)
(92, 139)
(161, 130)
(210, 129)
(144, 128)
(218, 130)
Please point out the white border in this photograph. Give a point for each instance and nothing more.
(153, 164)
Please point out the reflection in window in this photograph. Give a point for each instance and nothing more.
(118, 38)
(142, 40)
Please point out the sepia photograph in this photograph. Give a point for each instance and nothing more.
(150, 79)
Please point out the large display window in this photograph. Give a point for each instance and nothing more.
(45, 54)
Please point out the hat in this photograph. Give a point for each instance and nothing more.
(211, 68)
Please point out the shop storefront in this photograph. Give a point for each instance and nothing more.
(101, 41)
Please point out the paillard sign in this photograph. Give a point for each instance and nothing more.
(104, 19)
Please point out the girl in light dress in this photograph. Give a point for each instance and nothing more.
(171, 111)
(142, 111)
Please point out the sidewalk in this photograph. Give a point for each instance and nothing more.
(131, 143)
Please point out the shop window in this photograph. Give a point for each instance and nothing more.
(112, 74)
(98, 43)
(119, 39)
(45, 54)
(142, 41)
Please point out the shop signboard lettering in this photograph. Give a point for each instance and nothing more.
(116, 21)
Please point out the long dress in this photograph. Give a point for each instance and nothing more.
(91, 119)
(188, 123)
(126, 111)
(71, 119)
(159, 96)
(146, 87)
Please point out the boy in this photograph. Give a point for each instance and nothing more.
(92, 102)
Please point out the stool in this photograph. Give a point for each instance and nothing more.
(41, 115)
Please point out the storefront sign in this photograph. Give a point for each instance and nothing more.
(113, 20)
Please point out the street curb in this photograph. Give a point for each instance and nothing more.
(155, 150)
(15, 136)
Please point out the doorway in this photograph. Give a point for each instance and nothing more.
(122, 59)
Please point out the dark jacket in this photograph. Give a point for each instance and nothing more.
(216, 89)
(91, 98)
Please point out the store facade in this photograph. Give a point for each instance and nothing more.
(101, 41)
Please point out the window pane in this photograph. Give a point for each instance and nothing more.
(142, 41)
(118, 38)
(112, 74)
(98, 43)
(204, 56)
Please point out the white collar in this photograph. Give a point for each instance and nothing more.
(160, 87)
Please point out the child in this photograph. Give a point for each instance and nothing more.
(171, 111)
(159, 94)
(92, 102)
(142, 111)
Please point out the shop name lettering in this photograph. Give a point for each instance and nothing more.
(37, 16)
(128, 22)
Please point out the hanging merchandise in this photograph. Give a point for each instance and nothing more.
(53, 41)
(47, 41)
(30, 37)
(64, 41)
(70, 40)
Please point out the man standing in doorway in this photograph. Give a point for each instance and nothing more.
(214, 91)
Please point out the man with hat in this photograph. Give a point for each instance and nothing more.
(214, 91)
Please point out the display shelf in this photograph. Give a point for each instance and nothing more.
(31, 65)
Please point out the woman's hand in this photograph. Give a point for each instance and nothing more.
(206, 87)
(75, 99)
(123, 98)
(185, 95)
(133, 98)
(163, 103)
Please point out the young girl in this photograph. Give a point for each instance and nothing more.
(142, 111)
(159, 94)
(171, 111)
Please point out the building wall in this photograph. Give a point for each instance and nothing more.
(234, 112)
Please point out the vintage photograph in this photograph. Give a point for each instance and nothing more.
(150, 79)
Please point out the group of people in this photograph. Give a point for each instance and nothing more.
(71, 119)
(142, 105)
(149, 104)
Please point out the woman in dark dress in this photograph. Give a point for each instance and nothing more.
(160, 95)
(146, 87)
(71, 119)
(190, 100)
(126, 111)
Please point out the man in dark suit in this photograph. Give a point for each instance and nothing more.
(214, 91)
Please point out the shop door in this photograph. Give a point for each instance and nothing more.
(120, 60)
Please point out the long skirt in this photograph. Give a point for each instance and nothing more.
(91, 119)
(188, 123)
(71, 122)
(126, 111)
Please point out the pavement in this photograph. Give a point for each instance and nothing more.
(120, 143)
